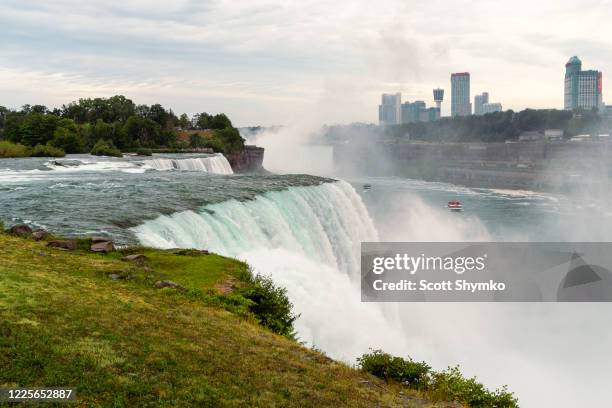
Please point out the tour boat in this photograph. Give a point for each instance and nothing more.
(455, 206)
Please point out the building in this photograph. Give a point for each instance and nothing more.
(491, 107)
(460, 94)
(389, 112)
(411, 112)
(479, 101)
(582, 88)
(418, 112)
(430, 115)
(438, 95)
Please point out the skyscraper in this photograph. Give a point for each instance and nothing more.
(582, 88)
(390, 110)
(460, 94)
(479, 101)
(411, 112)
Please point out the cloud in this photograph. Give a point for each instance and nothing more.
(277, 58)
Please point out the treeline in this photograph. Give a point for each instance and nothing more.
(502, 126)
(78, 126)
(492, 127)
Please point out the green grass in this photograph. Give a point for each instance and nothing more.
(64, 323)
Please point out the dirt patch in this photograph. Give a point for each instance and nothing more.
(226, 286)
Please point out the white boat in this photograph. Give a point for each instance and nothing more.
(455, 206)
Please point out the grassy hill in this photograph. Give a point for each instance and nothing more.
(97, 323)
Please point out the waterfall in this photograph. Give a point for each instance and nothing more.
(216, 164)
(325, 223)
(308, 239)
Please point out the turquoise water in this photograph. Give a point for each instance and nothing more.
(86, 195)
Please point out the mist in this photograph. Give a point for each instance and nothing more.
(548, 354)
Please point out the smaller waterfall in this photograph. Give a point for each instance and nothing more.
(216, 164)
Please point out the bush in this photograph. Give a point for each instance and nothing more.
(214, 144)
(384, 365)
(8, 149)
(47, 151)
(105, 148)
(448, 385)
(270, 305)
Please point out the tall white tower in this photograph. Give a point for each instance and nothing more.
(438, 97)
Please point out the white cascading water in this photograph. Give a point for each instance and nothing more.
(308, 239)
(216, 164)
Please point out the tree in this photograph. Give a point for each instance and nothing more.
(39, 109)
(66, 136)
(3, 112)
(158, 114)
(12, 126)
(231, 139)
(75, 111)
(220, 121)
(141, 131)
(120, 108)
(202, 120)
(38, 128)
(97, 131)
(184, 121)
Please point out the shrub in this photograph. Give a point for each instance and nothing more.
(47, 151)
(270, 305)
(384, 365)
(448, 385)
(105, 148)
(8, 149)
(451, 385)
(215, 144)
(195, 140)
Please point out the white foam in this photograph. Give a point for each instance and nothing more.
(216, 164)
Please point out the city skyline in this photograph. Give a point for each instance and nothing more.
(257, 63)
(582, 89)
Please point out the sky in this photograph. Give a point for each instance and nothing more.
(276, 62)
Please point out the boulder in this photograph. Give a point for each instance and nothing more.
(39, 234)
(97, 240)
(66, 244)
(20, 230)
(136, 258)
(102, 246)
(170, 284)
